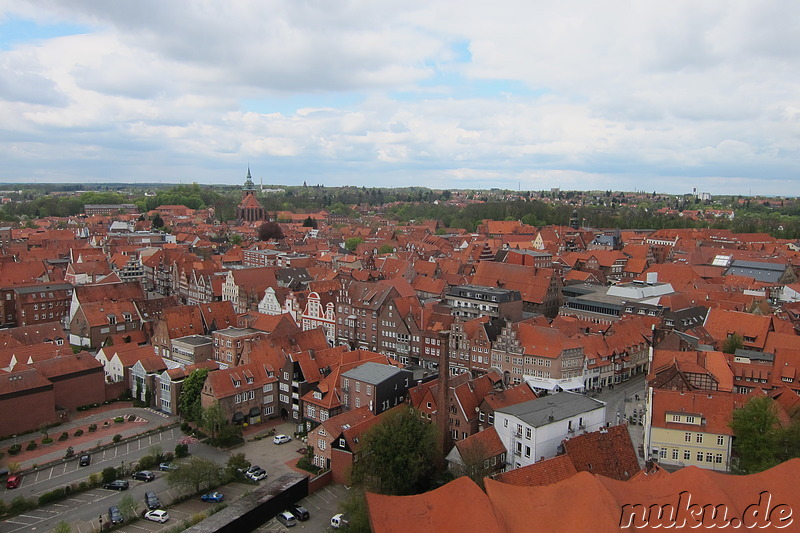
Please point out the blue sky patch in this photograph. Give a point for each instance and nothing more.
(14, 30)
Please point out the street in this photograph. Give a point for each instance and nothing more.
(620, 405)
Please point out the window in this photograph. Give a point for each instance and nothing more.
(675, 454)
(718, 458)
(709, 457)
(369, 390)
(505, 423)
(341, 443)
(720, 440)
(687, 455)
(519, 448)
(699, 457)
(663, 453)
(269, 410)
(699, 438)
(690, 420)
(358, 401)
(321, 444)
(528, 433)
(687, 437)
(527, 451)
(676, 418)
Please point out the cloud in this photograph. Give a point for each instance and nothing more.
(655, 96)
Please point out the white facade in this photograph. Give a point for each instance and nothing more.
(316, 315)
(269, 304)
(529, 440)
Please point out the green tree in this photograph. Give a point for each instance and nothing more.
(310, 223)
(195, 474)
(732, 343)
(399, 455)
(213, 419)
(236, 462)
(386, 249)
(158, 222)
(757, 435)
(355, 509)
(235, 239)
(127, 506)
(109, 474)
(352, 243)
(189, 400)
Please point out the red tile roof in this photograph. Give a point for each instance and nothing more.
(608, 452)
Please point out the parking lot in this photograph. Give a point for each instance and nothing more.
(321, 505)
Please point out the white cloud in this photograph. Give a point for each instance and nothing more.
(549, 94)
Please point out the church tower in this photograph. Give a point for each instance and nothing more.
(250, 210)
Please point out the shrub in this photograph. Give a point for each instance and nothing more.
(78, 433)
(52, 496)
(31, 445)
(186, 428)
(15, 449)
(83, 485)
(147, 462)
(92, 428)
(119, 420)
(131, 418)
(109, 474)
(64, 436)
(169, 457)
(116, 438)
(3, 508)
(181, 450)
(47, 440)
(95, 479)
(20, 504)
(70, 453)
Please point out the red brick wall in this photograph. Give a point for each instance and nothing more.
(115, 390)
(27, 412)
(341, 466)
(82, 389)
(316, 483)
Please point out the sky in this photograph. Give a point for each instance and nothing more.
(648, 96)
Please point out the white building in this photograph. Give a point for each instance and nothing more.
(534, 429)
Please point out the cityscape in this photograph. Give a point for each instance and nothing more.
(350, 345)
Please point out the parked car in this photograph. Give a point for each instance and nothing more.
(151, 500)
(85, 460)
(287, 519)
(339, 521)
(117, 484)
(13, 481)
(281, 439)
(158, 515)
(166, 467)
(114, 516)
(144, 475)
(257, 475)
(213, 497)
(299, 512)
(251, 468)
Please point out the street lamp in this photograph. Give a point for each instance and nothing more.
(101, 522)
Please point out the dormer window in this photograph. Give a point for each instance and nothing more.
(112, 319)
(126, 316)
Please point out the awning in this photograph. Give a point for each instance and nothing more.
(254, 411)
(571, 384)
(540, 383)
(238, 416)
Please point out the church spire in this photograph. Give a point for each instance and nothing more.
(248, 183)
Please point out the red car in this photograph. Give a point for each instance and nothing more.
(13, 481)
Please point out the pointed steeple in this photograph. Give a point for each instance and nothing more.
(248, 183)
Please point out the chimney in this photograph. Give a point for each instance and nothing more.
(652, 278)
(443, 396)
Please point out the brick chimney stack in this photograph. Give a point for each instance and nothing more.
(443, 395)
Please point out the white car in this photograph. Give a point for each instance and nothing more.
(257, 475)
(281, 439)
(339, 521)
(157, 515)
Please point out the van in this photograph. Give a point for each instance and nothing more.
(339, 521)
(287, 519)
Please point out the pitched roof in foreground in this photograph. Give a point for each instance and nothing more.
(595, 503)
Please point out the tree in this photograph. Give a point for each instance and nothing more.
(195, 474)
(757, 433)
(189, 400)
(109, 474)
(63, 527)
(158, 222)
(732, 343)
(236, 463)
(235, 239)
(310, 223)
(352, 243)
(386, 249)
(269, 231)
(213, 419)
(127, 506)
(399, 455)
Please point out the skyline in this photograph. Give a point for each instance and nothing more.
(654, 96)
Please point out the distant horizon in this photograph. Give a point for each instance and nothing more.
(281, 185)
